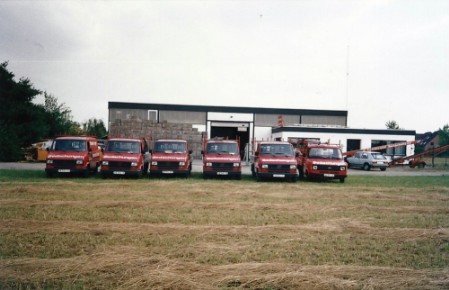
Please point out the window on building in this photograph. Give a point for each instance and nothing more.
(152, 115)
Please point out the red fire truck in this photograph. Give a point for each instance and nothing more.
(73, 155)
(171, 157)
(321, 161)
(275, 160)
(221, 158)
(125, 157)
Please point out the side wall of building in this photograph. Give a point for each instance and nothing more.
(152, 131)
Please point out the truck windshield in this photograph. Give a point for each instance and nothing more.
(70, 145)
(325, 153)
(222, 148)
(276, 149)
(123, 147)
(170, 147)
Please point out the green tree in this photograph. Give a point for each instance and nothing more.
(392, 125)
(21, 121)
(95, 127)
(443, 133)
(59, 118)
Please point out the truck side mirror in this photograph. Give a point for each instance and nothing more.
(297, 154)
(202, 152)
(256, 153)
(48, 149)
(190, 151)
(151, 151)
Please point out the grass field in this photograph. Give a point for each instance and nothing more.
(371, 232)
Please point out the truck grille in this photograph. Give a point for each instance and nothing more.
(276, 167)
(168, 164)
(64, 163)
(329, 167)
(119, 164)
(219, 166)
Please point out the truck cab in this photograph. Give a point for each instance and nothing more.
(171, 157)
(73, 155)
(275, 160)
(322, 161)
(221, 158)
(125, 157)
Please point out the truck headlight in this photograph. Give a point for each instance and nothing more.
(49, 161)
(209, 164)
(134, 164)
(314, 167)
(343, 168)
(182, 163)
(105, 163)
(264, 166)
(236, 164)
(79, 162)
(292, 166)
(153, 162)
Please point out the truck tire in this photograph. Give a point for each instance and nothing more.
(258, 177)
(366, 167)
(383, 169)
(342, 180)
(294, 179)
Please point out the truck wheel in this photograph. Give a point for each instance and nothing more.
(49, 174)
(383, 169)
(294, 178)
(342, 180)
(258, 177)
(253, 172)
(366, 167)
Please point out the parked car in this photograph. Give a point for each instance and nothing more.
(367, 160)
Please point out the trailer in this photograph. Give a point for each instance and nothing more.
(417, 159)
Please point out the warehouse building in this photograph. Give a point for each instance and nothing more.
(193, 123)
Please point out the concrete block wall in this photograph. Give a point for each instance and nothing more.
(152, 131)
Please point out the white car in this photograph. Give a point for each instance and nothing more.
(367, 160)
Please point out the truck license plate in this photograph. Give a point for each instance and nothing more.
(329, 175)
(167, 172)
(222, 173)
(119, 172)
(63, 170)
(279, 175)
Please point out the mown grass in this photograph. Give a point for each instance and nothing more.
(371, 232)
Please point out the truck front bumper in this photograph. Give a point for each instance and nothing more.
(230, 173)
(169, 172)
(277, 175)
(327, 176)
(51, 171)
(120, 172)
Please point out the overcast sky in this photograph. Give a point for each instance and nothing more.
(379, 60)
